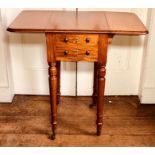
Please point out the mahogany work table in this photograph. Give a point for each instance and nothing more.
(77, 36)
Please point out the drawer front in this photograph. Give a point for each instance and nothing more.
(70, 47)
(71, 39)
(67, 54)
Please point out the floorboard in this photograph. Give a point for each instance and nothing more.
(26, 122)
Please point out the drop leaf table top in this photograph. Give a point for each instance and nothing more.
(81, 22)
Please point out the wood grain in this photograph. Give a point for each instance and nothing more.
(58, 64)
(124, 22)
(76, 54)
(26, 122)
(76, 46)
(85, 22)
(78, 39)
(82, 46)
(95, 85)
(30, 21)
(53, 82)
(101, 71)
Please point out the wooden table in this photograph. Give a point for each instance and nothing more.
(82, 36)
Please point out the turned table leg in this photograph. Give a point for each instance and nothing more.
(101, 71)
(95, 86)
(53, 97)
(54, 81)
(59, 77)
(100, 101)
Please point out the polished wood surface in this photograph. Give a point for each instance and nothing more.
(101, 69)
(95, 85)
(79, 47)
(74, 45)
(83, 22)
(58, 64)
(77, 37)
(53, 82)
(26, 122)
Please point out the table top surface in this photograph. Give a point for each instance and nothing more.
(40, 21)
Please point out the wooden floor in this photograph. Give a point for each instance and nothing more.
(26, 122)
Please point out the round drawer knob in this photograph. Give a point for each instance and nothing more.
(65, 52)
(87, 53)
(65, 40)
(87, 40)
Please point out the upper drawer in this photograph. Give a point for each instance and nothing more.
(79, 39)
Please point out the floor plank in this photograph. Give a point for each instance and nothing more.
(75, 140)
(26, 122)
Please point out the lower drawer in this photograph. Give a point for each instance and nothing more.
(76, 54)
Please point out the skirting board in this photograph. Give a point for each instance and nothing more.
(5, 95)
(148, 96)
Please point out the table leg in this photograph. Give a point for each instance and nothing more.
(101, 71)
(59, 77)
(53, 97)
(95, 86)
(100, 101)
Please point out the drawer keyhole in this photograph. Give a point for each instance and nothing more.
(65, 52)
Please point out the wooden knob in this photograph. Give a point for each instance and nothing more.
(87, 53)
(65, 52)
(65, 40)
(87, 40)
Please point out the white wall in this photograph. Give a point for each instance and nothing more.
(147, 86)
(124, 63)
(6, 91)
(29, 66)
(28, 55)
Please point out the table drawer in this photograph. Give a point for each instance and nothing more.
(72, 39)
(67, 54)
(70, 47)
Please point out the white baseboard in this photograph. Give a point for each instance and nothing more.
(148, 96)
(6, 96)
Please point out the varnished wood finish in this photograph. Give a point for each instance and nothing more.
(53, 95)
(76, 47)
(78, 37)
(53, 86)
(124, 23)
(76, 54)
(26, 122)
(30, 21)
(52, 57)
(101, 69)
(95, 86)
(84, 22)
(58, 63)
